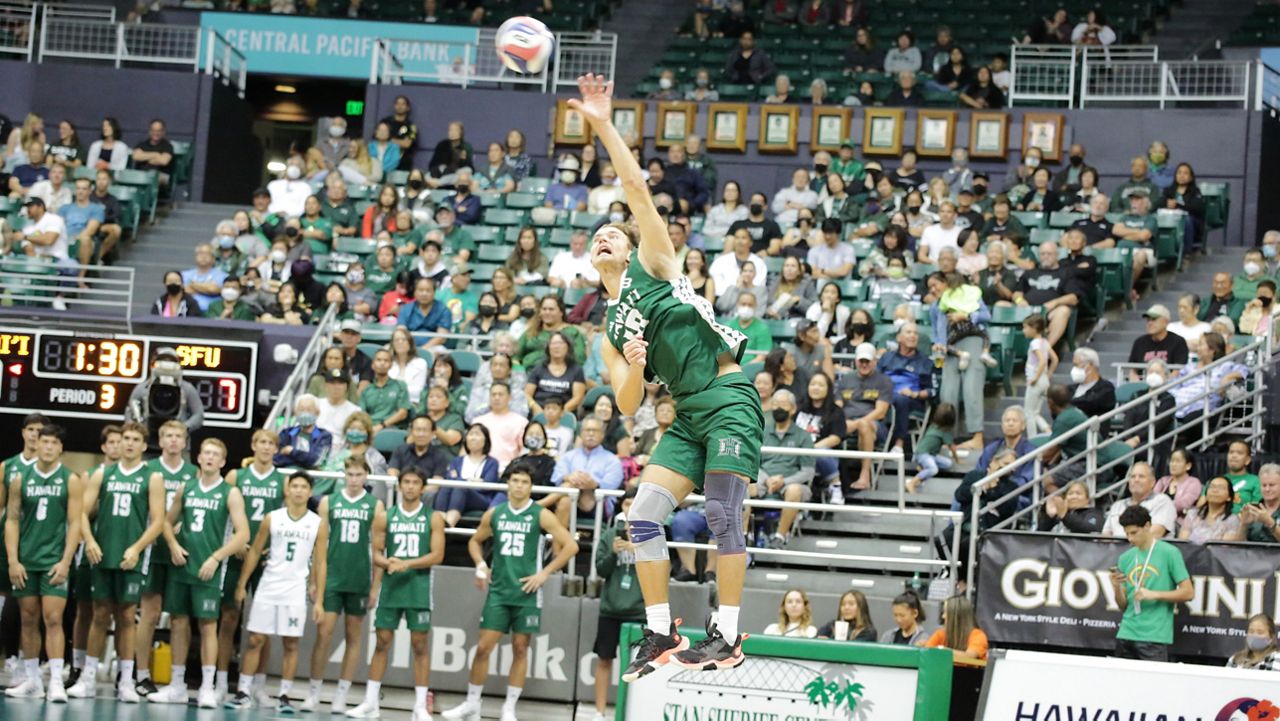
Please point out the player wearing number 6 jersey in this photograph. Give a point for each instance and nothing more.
(263, 489)
(514, 601)
(280, 601)
(199, 546)
(658, 328)
(413, 543)
(41, 529)
(173, 473)
(349, 520)
(126, 503)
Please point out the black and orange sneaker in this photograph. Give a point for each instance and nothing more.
(712, 653)
(655, 650)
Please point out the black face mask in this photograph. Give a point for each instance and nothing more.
(861, 329)
(173, 288)
(979, 190)
(756, 209)
(291, 231)
(488, 311)
(1266, 302)
(416, 184)
(527, 312)
(913, 209)
(780, 415)
(1077, 159)
(820, 168)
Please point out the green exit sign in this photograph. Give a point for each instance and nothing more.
(355, 107)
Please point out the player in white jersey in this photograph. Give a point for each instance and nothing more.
(280, 603)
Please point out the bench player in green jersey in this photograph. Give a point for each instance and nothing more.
(173, 472)
(412, 544)
(81, 573)
(42, 527)
(658, 327)
(16, 465)
(196, 528)
(279, 607)
(349, 520)
(126, 504)
(514, 602)
(263, 489)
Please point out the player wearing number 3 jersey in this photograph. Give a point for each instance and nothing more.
(659, 329)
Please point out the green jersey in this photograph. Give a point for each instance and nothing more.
(262, 494)
(175, 479)
(124, 510)
(408, 537)
(1150, 621)
(206, 523)
(685, 340)
(517, 553)
(42, 533)
(348, 559)
(14, 469)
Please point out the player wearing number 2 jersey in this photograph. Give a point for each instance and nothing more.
(173, 473)
(349, 520)
(514, 601)
(126, 503)
(196, 529)
(263, 489)
(279, 608)
(658, 328)
(42, 526)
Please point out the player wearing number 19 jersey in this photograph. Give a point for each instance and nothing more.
(349, 519)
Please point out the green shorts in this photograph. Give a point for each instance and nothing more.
(116, 585)
(417, 619)
(155, 578)
(352, 604)
(719, 429)
(234, 566)
(188, 599)
(510, 619)
(38, 584)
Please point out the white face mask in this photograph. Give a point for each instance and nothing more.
(337, 131)
(1033, 161)
(277, 256)
(1154, 380)
(293, 172)
(1252, 268)
(567, 176)
(664, 83)
(1077, 374)
(616, 217)
(746, 312)
(230, 295)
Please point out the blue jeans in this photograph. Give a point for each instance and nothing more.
(688, 524)
(930, 465)
(465, 499)
(825, 467)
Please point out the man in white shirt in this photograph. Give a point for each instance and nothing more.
(335, 409)
(43, 236)
(1142, 482)
(942, 234)
(788, 201)
(727, 267)
(573, 271)
(832, 259)
(289, 194)
(53, 190)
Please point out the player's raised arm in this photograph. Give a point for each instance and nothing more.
(657, 253)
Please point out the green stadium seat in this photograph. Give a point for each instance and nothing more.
(503, 216)
(523, 201)
(494, 253)
(534, 185)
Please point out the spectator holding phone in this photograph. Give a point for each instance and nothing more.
(1148, 580)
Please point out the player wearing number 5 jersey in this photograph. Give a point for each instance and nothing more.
(413, 543)
(349, 520)
(41, 529)
(126, 503)
(196, 529)
(173, 473)
(514, 601)
(279, 608)
(659, 328)
(263, 489)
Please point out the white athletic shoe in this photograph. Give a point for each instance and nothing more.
(421, 714)
(597, 717)
(57, 694)
(83, 688)
(310, 704)
(466, 711)
(26, 689)
(366, 709)
(126, 693)
(339, 703)
(509, 714)
(264, 699)
(207, 698)
(169, 694)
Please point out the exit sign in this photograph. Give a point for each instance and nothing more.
(355, 107)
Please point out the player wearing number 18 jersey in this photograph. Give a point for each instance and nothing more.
(514, 601)
(349, 520)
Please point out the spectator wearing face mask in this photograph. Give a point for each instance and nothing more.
(229, 306)
(1261, 650)
(567, 193)
(1256, 317)
(763, 231)
(1137, 431)
(1245, 284)
(304, 444)
(289, 193)
(759, 339)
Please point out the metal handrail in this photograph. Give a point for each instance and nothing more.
(1121, 367)
(12, 16)
(301, 375)
(107, 287)
(224, 61)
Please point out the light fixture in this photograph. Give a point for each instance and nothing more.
(289, 89)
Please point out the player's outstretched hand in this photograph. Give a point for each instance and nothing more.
(597, 98)
(59, 573)
(18, 575)
(177, 554)
(208, 568)
(129, 559)
(636, 351)
(529, 584)
(93, 551)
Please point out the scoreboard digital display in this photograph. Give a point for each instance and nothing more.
(84, 375)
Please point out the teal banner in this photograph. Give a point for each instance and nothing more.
(288, 45)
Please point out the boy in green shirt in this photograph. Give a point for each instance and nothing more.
(1244, 485)
(1148, 580)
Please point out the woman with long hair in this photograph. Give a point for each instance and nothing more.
(359, 168)
(792, 291)
(695, 268)
(550, 319)
(894, 242)
(288, 309)
(1261, 651)
(725, 213)
(381, 215)
(382, 149)
(782, 365)
(486, 322)
(415, 197)
(518, 156)
(1184, 194)
(444, 373)
(1179, 485)
(819, 416)
(852, 621)
(474, 465)
(108, 152)
(1215, 519)
(960, 631)
(406, 365)
(67, 150)
(452, 152)
(558, 376)
(615, 426)
(504, 289)
(331, 359)
(795, 617)
(829, 314)
(908, 619)
(527, 263)
(21, 137)
(838, 204)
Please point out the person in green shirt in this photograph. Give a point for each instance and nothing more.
(1147, 581)
(784, 478)
(316, 228)
(620, 598)
(386, 399)
(449, 425)
(337, 207)
(1245, 284)
(939, 436)
(1065, 418)
(1136, 231)
(380, 270)
(1244, 485)
(1262, 519)
(458, 243)
(230, 307)
(848, 167)
(759, 339)
(1138, 179)
(462, 301)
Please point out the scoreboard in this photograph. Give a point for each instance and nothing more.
(86, 375)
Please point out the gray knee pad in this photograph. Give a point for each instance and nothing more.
(725, 493)
(649, 511)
